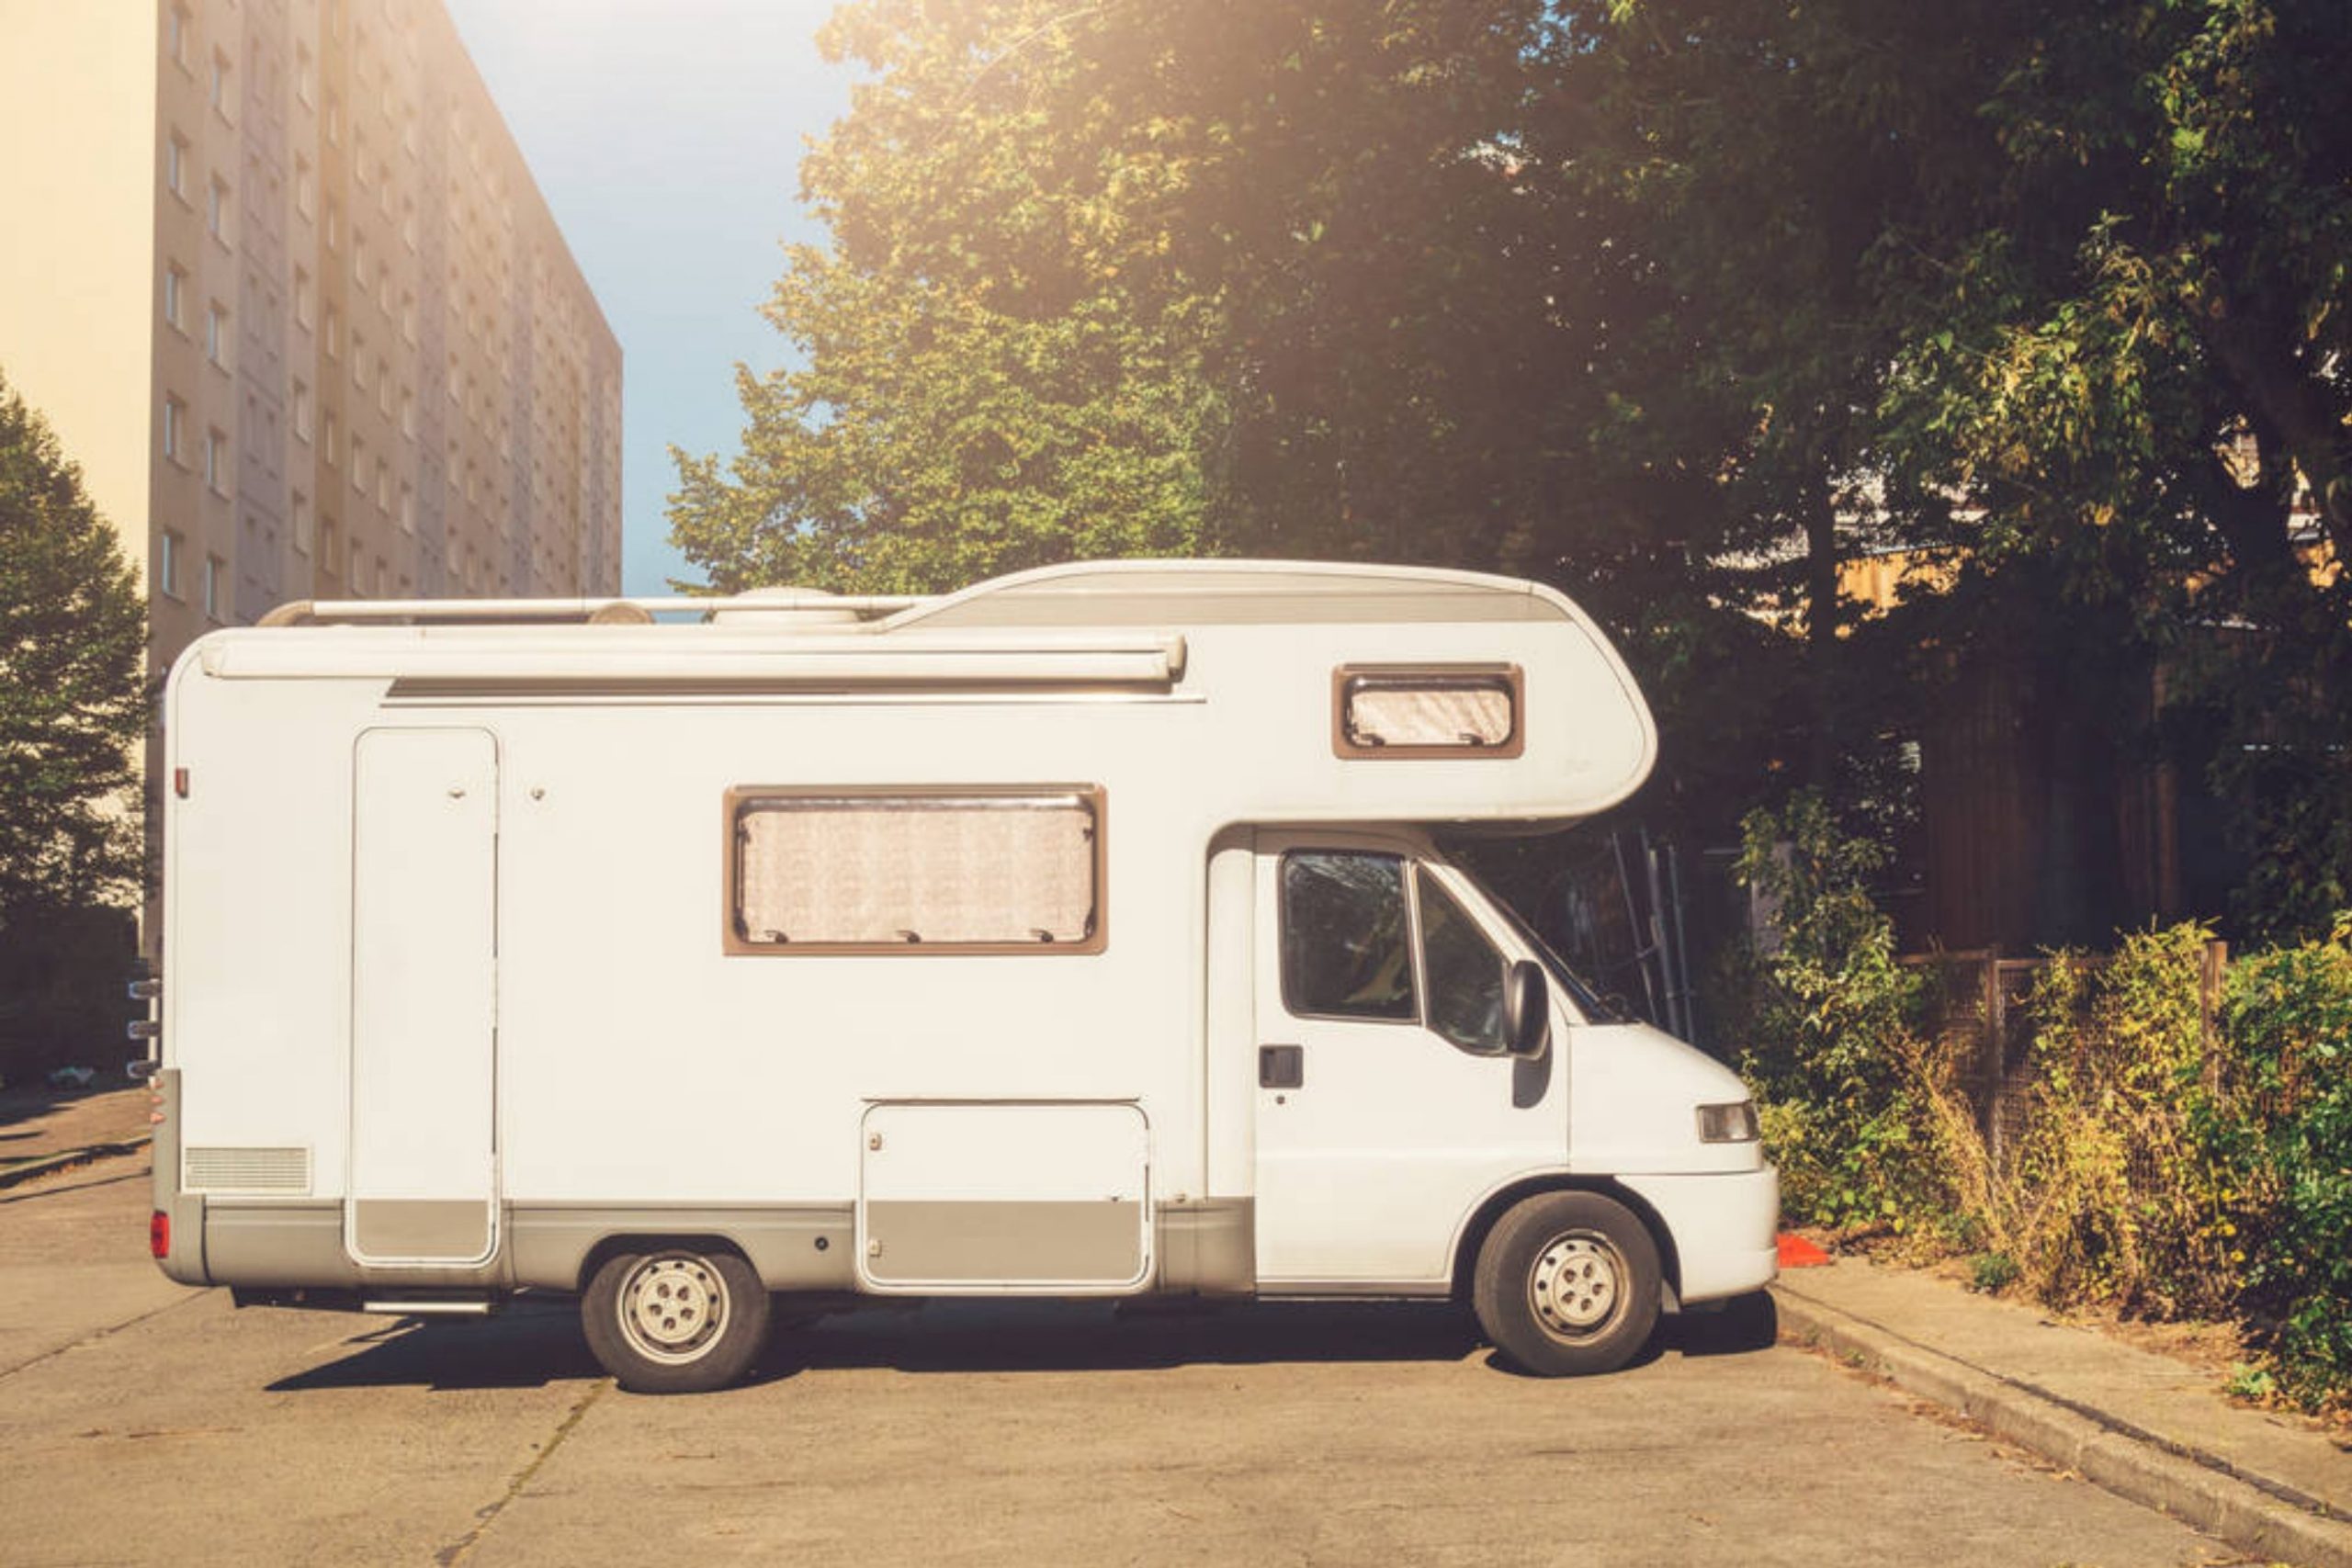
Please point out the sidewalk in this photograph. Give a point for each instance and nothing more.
(39, 1128)
(2136, 1423)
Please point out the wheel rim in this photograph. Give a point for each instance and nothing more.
(672, 1308)
(1578, 1286)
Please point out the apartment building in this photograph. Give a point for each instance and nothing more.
(281, 281)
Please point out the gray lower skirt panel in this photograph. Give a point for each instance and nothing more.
(950, 1243)
(1205, 1247)
(800, 1248)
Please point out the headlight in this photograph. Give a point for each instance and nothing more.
(1733, 1123)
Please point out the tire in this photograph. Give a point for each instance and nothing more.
(674, 1319)
(1568, 1285)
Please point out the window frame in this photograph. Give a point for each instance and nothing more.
(735, 943)
(1416, 866)
(1405, 863)
(1346, 679)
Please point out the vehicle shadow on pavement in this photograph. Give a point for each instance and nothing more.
(999, 1337)
(527, 1345)
(534, 1343)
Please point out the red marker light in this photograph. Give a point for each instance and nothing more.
(179, 783)
(159, 1233)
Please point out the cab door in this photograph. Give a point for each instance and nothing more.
(1385, 1106)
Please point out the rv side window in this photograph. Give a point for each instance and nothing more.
(1458, 710)
(1347, 940)
(968, 871)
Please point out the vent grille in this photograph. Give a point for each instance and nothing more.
(218, 1170)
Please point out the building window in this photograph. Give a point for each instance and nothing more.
(359, 360)
(383, 388)
(177, 28)
(224, 84)
(174, 416)
(176, 165)
(302, 297)
(980, 869)
(334, 224)
(326, 421)
(212, 575)
(335, 120)
(1462, 710)
(306, 186)
(408, 414)
(167, 564)
(216, 462)
(306, 76)
(302, 400)
(408, 509)
(358, 463)
(330, 544)
(218, 214)
(216, 334)
(408, 318)
(361, 272)
(300, 509)
(176, 296)
(334, 333)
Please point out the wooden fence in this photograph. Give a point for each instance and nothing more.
(1982, 1015)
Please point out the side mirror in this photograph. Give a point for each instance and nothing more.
(1527, 1009)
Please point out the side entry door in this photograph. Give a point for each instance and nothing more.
(424, 997)
(1385, 1106)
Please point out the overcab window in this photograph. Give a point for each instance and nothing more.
(983, 870)
(1432, 710)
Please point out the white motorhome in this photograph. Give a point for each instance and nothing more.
(1078, 934)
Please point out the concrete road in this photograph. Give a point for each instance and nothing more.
(141, 1422)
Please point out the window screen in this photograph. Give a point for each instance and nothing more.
(917, 871)
(1347, 947)
(1463, 710)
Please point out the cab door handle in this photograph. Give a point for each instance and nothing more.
(1281, 1066)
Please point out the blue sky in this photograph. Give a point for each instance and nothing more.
(666, 135)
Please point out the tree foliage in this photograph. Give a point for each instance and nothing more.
(73, 638)
(1681, 304)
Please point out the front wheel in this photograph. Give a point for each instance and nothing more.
(674, 1320)
(1568, 1284)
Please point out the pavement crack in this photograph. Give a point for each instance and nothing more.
(107, 1332)
(457, 1550)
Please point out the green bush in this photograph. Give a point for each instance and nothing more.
(2116, 1192)
(2287, 1016)
(1828, 1025)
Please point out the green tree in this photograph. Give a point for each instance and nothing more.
(73, 638)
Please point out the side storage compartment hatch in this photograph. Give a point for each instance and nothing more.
(962, 1198)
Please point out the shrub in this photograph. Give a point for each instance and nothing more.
(1828, 1035)
(2287, 1016)
(2116, 1191)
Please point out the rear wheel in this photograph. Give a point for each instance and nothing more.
(1567, 1284)
(674, 1320)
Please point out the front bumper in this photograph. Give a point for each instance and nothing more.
(1725, 1226)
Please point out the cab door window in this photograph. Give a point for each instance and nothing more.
(1464, 973)
(1347, 936)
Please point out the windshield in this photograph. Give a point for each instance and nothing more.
(1588, 1001)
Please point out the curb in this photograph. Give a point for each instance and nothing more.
(15, 1175)
(2265, 1517)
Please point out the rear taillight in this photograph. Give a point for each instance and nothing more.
(159, 1233)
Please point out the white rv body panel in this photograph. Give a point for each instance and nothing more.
(1040, 1116)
